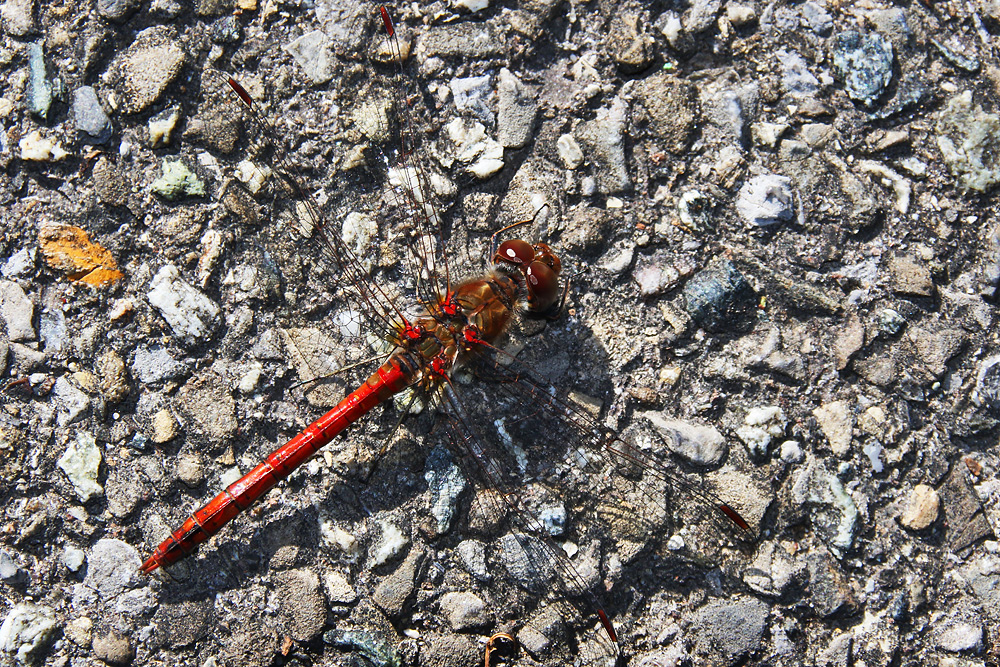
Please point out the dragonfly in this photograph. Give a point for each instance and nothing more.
(438, 340)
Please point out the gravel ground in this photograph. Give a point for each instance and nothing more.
(781, 239)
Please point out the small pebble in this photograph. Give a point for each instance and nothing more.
(164, 427)
(921, 509)
(91, 121)
(863, 61)
(190, 469)
(177, 181)
(766, 200)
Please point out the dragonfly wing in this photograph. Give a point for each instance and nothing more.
(554, 595)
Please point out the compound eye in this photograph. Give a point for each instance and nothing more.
(543, 286)
(514, 252)
(544, 254)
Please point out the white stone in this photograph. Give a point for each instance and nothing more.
(390, 546)
(81, 462)
(38, 149)
(569, 151)
(472, 6)
(190, 314)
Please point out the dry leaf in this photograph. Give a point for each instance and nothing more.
(69, 249)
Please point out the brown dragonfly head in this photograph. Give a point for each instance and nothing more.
(538, 267)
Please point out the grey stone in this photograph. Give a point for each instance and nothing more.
(890, 322)
(967, 524)
(774, 572)
(110, 183)
(701, 15)
(817, 18)
(249, 646)
(154, 364)
(829, 590)
(728, 109)
(934, 348)
(655, 275)
(761, 425)
(145, 69)
(182, 623)
(669, 107)
(766, 199)
(733, 628)
(719, 298)
(53, 331)
(700, 444)
(960, 637)
(91, 121)
(796, 79)
(116, 10)
(190, 469)
(892, 23)
(603, 138)
(18, 18)
(208, 409)
(526, 559)
(473, 555)
(472, 96)
(629, 44)
(27, 359)
(516, 111)
(958, 54)
(10, 573)
(28, 631)
(81, 462)
(834, 515)
(302, 604)
(374, 648)
(445, 483)
(393, 592)
(553, 518)
(465, 611)
(466, 40)
(73, 558)
(190, 314)
(864, 63)
(70, 402)
(112, 568)
(541, 630)
(40, 91)
(969, 140)
(585, 229)
(226, 30)
(338, 588)
(113, 647)
(124, 488)
(17, 311)
(20, 263)
(312, 53)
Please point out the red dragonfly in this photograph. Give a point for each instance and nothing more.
(535, 447)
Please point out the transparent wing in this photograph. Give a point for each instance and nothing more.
(353, 227)
(544, 593)
(571, 504)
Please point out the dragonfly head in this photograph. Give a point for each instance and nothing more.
(538, 268)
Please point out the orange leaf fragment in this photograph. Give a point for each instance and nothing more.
(69, 249)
